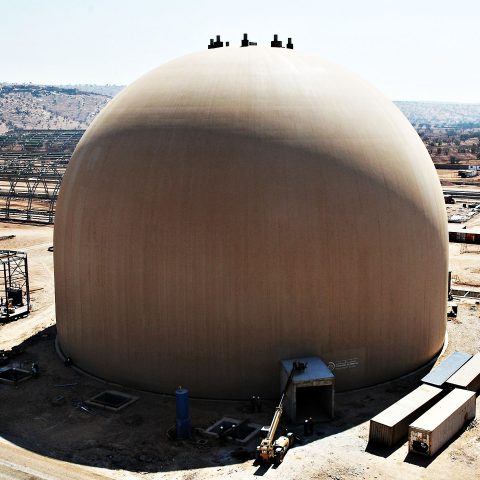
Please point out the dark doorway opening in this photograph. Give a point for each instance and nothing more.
(315, 402)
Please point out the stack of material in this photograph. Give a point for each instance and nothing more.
(440, 421)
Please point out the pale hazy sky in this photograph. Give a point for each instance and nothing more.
(409, 49)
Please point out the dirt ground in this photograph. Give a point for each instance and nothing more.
(45, 434)
(34, 240)
(451, 177)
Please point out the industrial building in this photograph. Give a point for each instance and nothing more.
(238, 207)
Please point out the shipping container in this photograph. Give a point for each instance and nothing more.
(463, 235)
(391, 425)
(468, 376)
(437, 426)
(441, 373)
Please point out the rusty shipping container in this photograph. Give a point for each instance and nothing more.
(437, 426)
(457, 235)
(391, 425)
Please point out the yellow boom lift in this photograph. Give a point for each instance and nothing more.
(271, 450)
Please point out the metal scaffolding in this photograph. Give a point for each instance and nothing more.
(32, 165)
(40, 140)
(15, 291)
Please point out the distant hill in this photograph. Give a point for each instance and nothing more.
(47, 107)
(437, 114)
(107, 90)
(29, 106)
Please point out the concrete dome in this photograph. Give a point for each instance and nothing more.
(236, 207)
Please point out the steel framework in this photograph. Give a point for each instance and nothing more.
(32, 165)
(15, 291)
(41, 140)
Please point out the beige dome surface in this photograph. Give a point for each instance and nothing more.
(239, 206)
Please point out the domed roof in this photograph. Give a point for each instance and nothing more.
(239, 206)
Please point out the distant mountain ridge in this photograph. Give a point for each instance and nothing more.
(107, 90)
(30, 106)
(441, 114)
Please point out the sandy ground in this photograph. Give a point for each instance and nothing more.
(43, 433)
(451, 177)
(34, 240)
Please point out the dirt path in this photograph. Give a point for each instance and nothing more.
(18, 463)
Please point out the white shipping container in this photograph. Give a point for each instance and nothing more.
(437, 426)
(391, 425)
(468, 376)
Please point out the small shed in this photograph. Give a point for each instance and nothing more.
(312, 391)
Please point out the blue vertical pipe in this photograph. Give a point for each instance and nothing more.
(183, 419)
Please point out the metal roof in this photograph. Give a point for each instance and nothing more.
(440, 374)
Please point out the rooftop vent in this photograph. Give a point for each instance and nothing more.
(276, 42)
(217, 43)
(246, 42)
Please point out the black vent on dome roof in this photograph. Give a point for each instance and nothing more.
(217, 43)
(276, 42)
(246, 42)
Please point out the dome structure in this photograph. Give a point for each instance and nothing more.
(240, 206)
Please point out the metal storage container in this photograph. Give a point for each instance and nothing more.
(442, 372)
(391, 425)
(468, 376)
(437, 426)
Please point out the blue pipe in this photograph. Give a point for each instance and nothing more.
(183, 423)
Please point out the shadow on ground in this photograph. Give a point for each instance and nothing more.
(42, 415)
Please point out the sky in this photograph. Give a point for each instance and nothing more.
(409, 49)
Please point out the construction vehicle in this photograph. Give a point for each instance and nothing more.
(271, 450)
